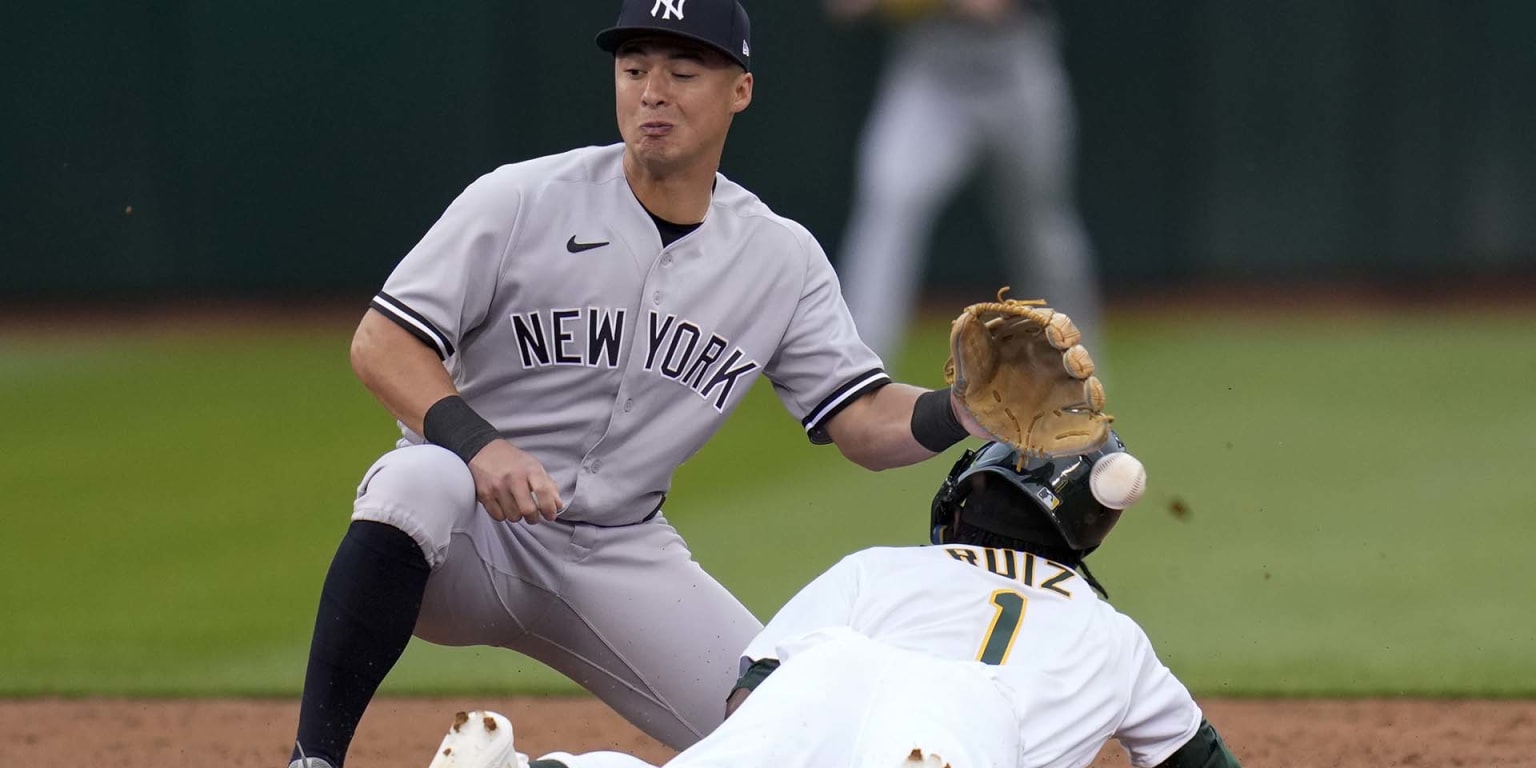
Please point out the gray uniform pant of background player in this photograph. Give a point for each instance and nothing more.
(623, 611)
(956, 95)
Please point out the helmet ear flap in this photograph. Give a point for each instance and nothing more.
(947, 501)
(940, 534)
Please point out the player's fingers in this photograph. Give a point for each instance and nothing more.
(546, 496)
(496, 495)
(491, 504)
(525, 506)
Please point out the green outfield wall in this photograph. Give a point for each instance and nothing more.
(285, 148)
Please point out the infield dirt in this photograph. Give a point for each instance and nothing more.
(403, 733)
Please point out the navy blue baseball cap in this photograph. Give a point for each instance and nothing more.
(719, 24)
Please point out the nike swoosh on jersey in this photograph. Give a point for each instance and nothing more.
(575, 247)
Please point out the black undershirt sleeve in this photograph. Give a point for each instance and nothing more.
(756, 674)
(1203, 750)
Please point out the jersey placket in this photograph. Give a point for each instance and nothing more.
(626, 406)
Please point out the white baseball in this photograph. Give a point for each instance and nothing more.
(1118, 480)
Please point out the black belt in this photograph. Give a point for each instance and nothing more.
(645, 519)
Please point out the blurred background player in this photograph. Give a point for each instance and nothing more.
(967, 84)
(990, 649)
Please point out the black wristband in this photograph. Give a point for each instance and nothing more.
(934, 424)
(451, 423)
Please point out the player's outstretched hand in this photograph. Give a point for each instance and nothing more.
(512, 485)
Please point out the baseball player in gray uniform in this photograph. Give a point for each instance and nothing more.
(570, 330)
(968, 83)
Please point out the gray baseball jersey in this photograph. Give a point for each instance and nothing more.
(565, 323)
(610, 356)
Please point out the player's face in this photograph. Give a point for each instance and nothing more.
(675, 100)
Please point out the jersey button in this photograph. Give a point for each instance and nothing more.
(656, 298)
(629, 405)
(597, 464)
(666, 261)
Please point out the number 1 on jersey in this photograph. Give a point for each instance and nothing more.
(1005, 627)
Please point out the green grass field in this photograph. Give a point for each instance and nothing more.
(1359, 492)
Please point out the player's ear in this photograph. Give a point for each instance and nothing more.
(741, 93)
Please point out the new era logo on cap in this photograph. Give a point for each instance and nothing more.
(720, 24)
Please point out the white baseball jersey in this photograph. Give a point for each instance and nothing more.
(1075, 671)
(564, 321)
(986, 658)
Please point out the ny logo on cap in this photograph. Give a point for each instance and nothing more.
(670, 9)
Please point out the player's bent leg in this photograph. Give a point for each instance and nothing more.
(623, 612)
(372, 592)
(501, 585)
(493, 578)
(1058, 265)
(647, 630)
(424, 490)
(1032, 137)
(913, 154)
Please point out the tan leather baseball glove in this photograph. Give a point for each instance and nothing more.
(1018, 370)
